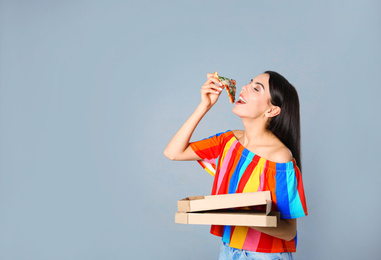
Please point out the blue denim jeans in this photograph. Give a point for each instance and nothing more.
(230, 253)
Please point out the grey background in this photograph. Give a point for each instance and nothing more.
(92, 91)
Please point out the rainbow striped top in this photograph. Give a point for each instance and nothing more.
(236, 170)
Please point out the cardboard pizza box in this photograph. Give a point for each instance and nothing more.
(230, 218)
(225, 201)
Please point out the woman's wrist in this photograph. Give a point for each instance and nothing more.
(203, 107)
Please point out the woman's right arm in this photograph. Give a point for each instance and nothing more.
(178, 148)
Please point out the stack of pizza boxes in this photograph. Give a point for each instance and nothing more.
(228, 209)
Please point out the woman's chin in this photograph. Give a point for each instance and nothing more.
(242, 112)
(236, 110)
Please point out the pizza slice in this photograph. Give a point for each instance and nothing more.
(229, 85)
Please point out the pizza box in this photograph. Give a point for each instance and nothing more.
(229, 218)
(225, 201)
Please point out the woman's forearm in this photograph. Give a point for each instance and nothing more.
(285, 230)
(177, 147)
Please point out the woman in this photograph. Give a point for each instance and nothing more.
(263, 156)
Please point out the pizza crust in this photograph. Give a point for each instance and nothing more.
(229, 85)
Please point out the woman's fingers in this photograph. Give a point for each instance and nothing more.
(210, 91)
(212, 87)
(215, 81)
(211, 79)
(210, 75)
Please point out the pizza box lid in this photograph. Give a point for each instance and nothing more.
(225, 201)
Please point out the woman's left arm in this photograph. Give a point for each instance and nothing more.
(285, 230)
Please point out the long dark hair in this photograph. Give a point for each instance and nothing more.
(286, 125)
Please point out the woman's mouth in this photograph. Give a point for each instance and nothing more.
(241, 100)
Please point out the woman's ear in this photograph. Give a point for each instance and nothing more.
(273, 111)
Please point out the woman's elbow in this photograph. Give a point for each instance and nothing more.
(290, 229)
(290, 237)
(169, 155)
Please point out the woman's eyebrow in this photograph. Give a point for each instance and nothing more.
(260, 84)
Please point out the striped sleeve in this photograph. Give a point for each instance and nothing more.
(209, 150)
(290, 198)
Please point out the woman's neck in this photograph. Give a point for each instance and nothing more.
(255, 133)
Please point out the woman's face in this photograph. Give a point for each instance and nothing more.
(254, 98)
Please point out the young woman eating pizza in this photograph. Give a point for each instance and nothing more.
(264, 156)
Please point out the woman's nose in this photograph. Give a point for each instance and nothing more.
(244, 88)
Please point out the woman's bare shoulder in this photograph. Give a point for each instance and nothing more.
(281, 155)
(238, 133)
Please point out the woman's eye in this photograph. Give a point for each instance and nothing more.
(256, 89)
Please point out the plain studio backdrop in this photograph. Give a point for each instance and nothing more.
(92, 91)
